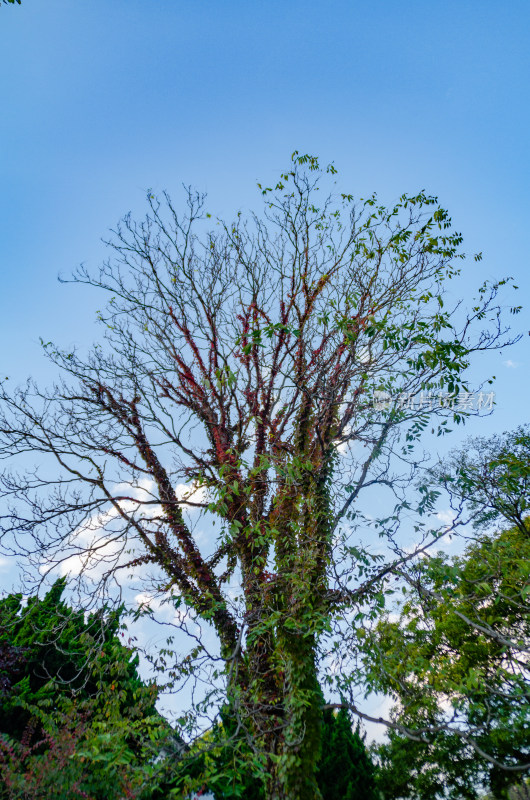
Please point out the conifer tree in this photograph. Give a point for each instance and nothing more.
(346, 771)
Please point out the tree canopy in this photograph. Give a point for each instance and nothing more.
(257, 378)
(55, 649)
(456, 656)
(491, 477)
(76, 720)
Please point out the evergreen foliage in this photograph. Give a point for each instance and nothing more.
(346, 771)
(76, 720)
(59, 652)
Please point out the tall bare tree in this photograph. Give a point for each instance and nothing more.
(260, 373)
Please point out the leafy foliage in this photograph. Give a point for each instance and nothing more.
(76, 720)
(415, 770)
(457, 657)
(457, 660)
(72, 752)
(492, 476)
(63, 653)
(345, 771)
(227, 766)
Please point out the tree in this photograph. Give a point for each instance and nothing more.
(76, 720)
(345, 771)
(241, 380)
(421, 770)
(491, 477)
(58, 651)
(456, 658)
(457, 661)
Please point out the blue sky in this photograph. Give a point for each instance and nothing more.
(103, 99)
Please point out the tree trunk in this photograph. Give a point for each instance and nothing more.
(293, 767)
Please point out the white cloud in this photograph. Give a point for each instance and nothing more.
(413, 549)
(94, 547)
(447, 517)
(97, 556)
(511, 364)
(344, 447)
(149, 601)
(364, 355)
(99, 543)
(191, 492)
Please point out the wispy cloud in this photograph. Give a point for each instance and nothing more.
(191, 492)
(511, 364)
(447, 516)
(100, 542)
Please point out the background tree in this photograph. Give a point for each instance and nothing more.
(420, 770)
(59, 653)
(237, 380)
(345, 771)
(76, 720)
(491, 477)
(457, 658)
